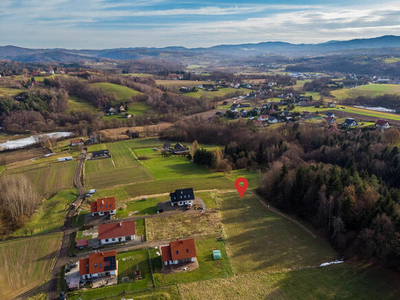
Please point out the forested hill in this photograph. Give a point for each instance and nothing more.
(243, 50)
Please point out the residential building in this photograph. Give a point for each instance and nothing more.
(182, 197)
(77, 142)
(116, 232)
(103, 206)
(99, 264)
(330, 115)
(382, 124)
(179, 251)
(350, 122)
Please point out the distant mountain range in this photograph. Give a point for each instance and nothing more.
(14, 53)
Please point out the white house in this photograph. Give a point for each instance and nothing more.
(182, 197)
(116, 232)
(382, 124)
(273, 120)
(99, 264)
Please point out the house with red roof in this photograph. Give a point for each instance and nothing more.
(382, 124)
(179, 251)
(331, 120)
(77, 142)
(116, 232)
(103, 207)
(99, 264)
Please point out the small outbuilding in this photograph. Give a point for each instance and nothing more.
(217, 254)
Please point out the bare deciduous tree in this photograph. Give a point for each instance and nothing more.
(18, 197)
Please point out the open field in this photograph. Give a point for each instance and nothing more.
(50, 215)
(127, 263)
(217, 181)
(220, 93)
(121, 92)
(78, 104)
(344, 281)
(48, 178)
(138, 74)
(370, 90)
(208, 267)
(183, 226)
(120, 133)
(121, 168)
(5, 91)
(20, 155)
(26, 265)
(391, 60)
(260, 240)
(138, 207)
(182, 82)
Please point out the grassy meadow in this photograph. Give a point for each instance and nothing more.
(50, 215)
(26, 265)
(220, 93)
(78, 104)
(370, 90)
(121, 92)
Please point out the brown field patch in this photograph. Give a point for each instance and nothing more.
(120, 133)
(183, 226)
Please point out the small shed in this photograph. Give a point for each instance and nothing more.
(217, 254)
(80, 244)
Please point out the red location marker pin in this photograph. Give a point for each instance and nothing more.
(241, 188)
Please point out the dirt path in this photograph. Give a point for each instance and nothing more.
(283, 215)
(68, 230)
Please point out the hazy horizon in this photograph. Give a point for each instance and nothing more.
(102, 24)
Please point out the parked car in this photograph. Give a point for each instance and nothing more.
(92, 191)
(88, 195)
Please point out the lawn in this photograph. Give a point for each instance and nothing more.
(79, 105)
(343, 281)
(181, 82)
(97, 147)
(50, 215)
(208, 267)
(184, 226)
(391, 60)
(121, 92)
(26, 265)
(370, 90)
(139, 207)
(138, 108)
(127, 264)
(260, 240)
(220, 93)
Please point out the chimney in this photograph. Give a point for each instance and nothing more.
(120, 224)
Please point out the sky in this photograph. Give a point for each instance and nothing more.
(103, 24)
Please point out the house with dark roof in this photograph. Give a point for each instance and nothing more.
(330, 115)
(350, 122)
(179, 251)
(382, 124)
(180, 149)
(99, 264)
(182, 197)
(103, 206)
(331, 105)
(109, 233)
(100, 153)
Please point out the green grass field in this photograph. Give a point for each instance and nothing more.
(50, 215)
(220, 93)
(26, 265)
(5, 91)
(78, 104)
(344, 281)
(48, 178)
(391, 60)
(121, 168)
(371, 90)
(260, 240)
(121, 92)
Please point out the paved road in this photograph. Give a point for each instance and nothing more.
(68, 230)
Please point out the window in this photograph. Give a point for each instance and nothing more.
(99, 265)
(106, 264)
(106, 240)
(101, 206)
(187, 250)
(177, 252)
(95, 265)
